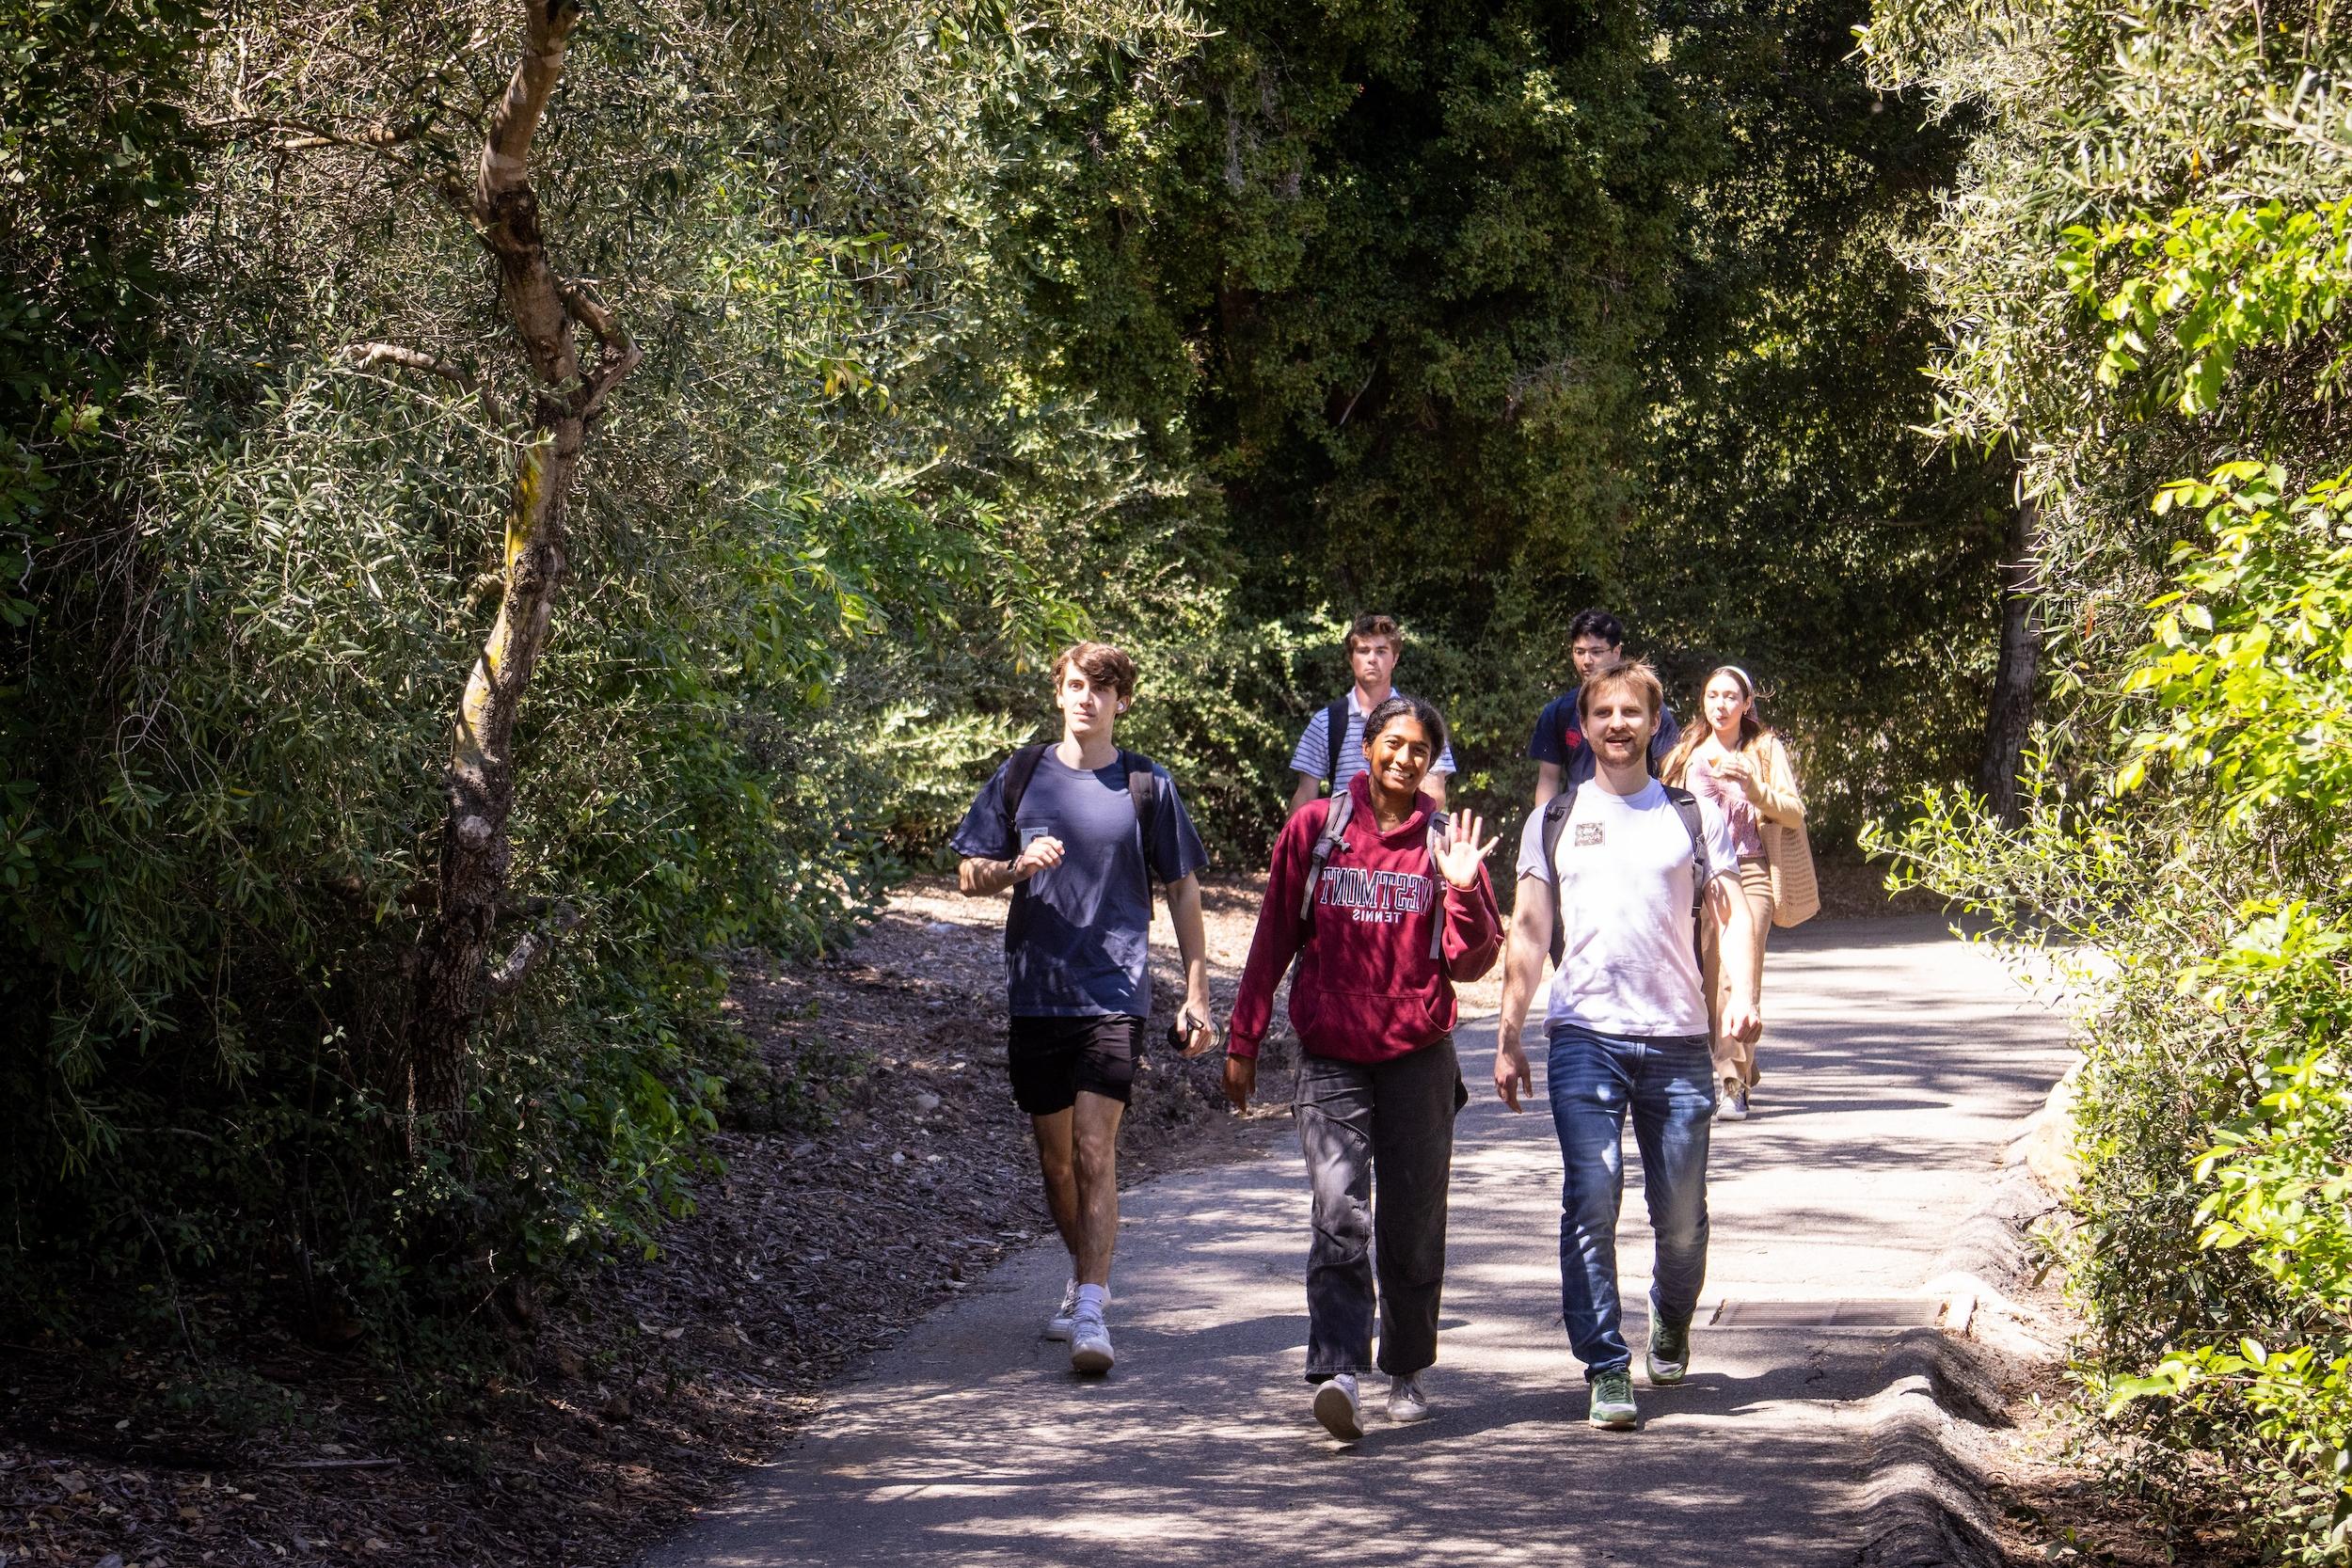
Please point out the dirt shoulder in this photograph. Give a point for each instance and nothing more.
(879, 1170)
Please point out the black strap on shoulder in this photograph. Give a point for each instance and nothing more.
(1334, 736)
(1143, 788)
(1687, 808)
(1555, 823)
(1018, 769)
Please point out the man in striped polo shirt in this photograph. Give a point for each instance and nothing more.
(1332, 750)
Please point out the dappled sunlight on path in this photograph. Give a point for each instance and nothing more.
(1897, 1062)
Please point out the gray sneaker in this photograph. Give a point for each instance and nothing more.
(1668, 1358)
(1335, 1407)
(1090, 1345)
(1064, 1318)
(1732, 1103)
(1612, 1401)
(1407, 1401)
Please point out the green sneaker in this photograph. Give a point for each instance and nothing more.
(1668, 1358)
(1612, 1401)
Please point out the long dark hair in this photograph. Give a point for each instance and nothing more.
(1396, 705)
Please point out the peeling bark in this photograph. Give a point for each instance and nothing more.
(455, 978)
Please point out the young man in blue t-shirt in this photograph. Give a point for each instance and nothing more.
(1374, 644)
(1562, 760)
(1077, 830)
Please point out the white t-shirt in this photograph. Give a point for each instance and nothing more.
(1313, 755)
(1625, 885)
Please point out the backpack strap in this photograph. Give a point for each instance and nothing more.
(1143, 788)
(1687, 808)
(1334, 736)
(1018, 769)
(1555, 823)
(1342, 806)
(1438, 823)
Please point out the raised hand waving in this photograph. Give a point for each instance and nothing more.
(1459, 852)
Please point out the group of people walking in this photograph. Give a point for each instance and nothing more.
(1654, 863)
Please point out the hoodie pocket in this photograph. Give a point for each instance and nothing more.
(1306, 1006)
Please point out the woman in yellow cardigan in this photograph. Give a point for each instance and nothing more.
(1739, 764)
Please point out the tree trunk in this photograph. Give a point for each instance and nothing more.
(454, 977)
(2009, 716)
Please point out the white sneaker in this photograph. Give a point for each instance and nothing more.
(1064, 1317)
(1337, 1409)
(1731, 1105)
(1407, 1402)
(1090, 1345)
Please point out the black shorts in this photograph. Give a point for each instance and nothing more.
(1053, 1058)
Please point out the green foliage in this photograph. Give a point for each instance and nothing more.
(2286, 276)
(2251, 666)
(2143, 266)
(796, 535)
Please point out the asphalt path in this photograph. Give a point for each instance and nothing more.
(1897, 1064)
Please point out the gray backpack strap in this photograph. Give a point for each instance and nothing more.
(1334, 736)
(1555, 823)
(1342, 806)
(1438, 825)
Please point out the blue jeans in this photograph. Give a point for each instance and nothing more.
(1668, 1083)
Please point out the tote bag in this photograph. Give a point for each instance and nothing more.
(1788, 853)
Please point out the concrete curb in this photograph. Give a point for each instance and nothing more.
(1925, 1503)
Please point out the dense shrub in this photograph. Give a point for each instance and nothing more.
(2143, 271)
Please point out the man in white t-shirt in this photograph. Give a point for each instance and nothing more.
(1331, 752)
(1626, 1020)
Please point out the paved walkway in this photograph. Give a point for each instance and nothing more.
(1899, 1061)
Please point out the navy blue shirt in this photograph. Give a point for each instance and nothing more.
(1559, 739)
(1077, 939)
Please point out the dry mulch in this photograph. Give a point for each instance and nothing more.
(881, 1172)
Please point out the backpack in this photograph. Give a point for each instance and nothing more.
(1143, 786)
(1334, 826)
(1556, 822)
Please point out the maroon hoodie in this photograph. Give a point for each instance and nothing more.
(1367, 990)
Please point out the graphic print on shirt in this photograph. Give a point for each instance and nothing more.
(1588, 835)
(1378, 897)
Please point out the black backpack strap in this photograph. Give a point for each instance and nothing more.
(1334, 736)
(1555, 823)
(1018, 769)
(1687, 808)
(1341, 807)
(1143, 788)
(1438, 825)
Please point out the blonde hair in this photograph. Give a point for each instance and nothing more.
(1637, 675)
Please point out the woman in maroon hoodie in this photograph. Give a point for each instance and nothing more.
(1385, 905)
